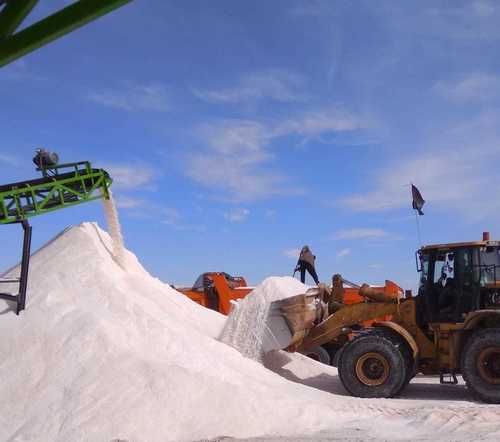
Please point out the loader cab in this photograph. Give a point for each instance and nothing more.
(456, 279)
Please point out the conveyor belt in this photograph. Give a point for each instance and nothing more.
(38, 181)
(25, 199)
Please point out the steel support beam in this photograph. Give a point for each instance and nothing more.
(54, 26)
(13, 14)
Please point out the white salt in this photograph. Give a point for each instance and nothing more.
(245, 328)
(114, 229)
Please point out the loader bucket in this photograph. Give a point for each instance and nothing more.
(289, 320)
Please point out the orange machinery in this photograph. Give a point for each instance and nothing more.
(347, 293)
(215, 290)
(354, 294)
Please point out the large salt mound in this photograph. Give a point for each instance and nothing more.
(105, 352)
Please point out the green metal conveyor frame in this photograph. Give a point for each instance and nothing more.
(14, 45)
(56, 190)
(61, 186)
(78, 183)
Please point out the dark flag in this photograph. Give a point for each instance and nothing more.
(418, 201)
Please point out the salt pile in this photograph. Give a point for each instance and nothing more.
(105, 352)
(245, 327)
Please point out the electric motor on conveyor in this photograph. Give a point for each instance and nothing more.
(61, 186)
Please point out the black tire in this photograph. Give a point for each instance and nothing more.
(373, 366)
(335, 357)
(337, 360)
(319, 354)
(481, 365)
(334, 352)
(403, 346)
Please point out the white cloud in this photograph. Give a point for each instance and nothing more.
(143, 209)
(360, 233)
(128, 202)
(315, 8)
(170, 216)
(442, 179)
(130, 177)
(483, 8)
(133, 97)
(456, 171)
(245, 137)
(10, 160)
(375, 266)
(20, 70)
(237, 175)
(292, 253)
(469, 20)
(344, 252)
(237, 215)
(234, 161)
(238, 156)
(316, 123)
(478, 86)
(270, 213)
(274, 84)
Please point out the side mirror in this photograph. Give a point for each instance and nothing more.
(418, 261)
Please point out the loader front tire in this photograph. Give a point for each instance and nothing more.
(481, 365)
(319, 354)
(373, 366)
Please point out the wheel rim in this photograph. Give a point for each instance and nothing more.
(488, 365)
(372, 369)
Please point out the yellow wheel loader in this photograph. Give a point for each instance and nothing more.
(451, 327)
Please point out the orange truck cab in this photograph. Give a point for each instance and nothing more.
(215, 290)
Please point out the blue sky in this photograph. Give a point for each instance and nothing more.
(238, 131)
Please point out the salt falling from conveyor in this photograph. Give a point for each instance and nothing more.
(115, 230)
(245, 327)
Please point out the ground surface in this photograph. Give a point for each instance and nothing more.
(448, 411)
(447, 407)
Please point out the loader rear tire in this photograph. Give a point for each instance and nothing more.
(481, 365)
(373, 366)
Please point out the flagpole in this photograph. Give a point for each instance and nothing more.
(418, 229)
(417, 221)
